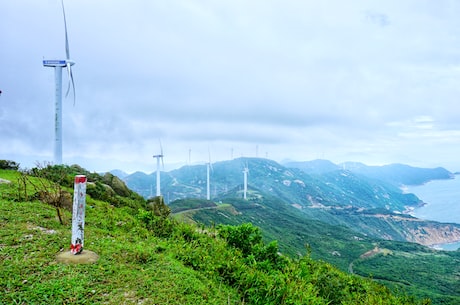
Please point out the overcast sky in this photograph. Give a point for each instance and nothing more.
(371, 81)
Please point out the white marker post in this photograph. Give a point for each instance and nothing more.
(78, 214)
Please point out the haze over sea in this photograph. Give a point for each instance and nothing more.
(442, 198)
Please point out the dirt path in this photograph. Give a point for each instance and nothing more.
(369, 254)
(4, 181)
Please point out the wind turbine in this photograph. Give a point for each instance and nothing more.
(158, 157)
(58, 65)
(245, 175)
(208, 186)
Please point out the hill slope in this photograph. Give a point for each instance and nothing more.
(329, 194)
(409, 267)
(146, 258)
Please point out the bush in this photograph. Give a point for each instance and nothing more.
(158, 225)
(244, 237)
(159, 206)
(248, 239)
(8, 164)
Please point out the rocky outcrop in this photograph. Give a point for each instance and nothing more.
(430, 234)
(407, 228)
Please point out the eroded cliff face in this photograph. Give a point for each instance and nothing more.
(407, 228)
(434, 233)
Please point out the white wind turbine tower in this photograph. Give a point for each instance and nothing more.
(158, 157)
(58, 65)
(245, 186)
(208, 185)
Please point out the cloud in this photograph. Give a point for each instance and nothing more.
(377, 18)
(370, 80)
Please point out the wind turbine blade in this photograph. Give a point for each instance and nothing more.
(69, 75)
(67, 52)
(71, 82)
(73, 85)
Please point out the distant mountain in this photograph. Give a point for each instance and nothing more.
(400, 174)
(366, 199)
(316, 166)
(397, 174)
(141, 183)
(337, 197)
(119, 173)
(305, 183)
(334, 188)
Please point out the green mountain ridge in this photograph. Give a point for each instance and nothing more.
(147, 258)
(340, 197)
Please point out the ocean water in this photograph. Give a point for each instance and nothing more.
(442, 198)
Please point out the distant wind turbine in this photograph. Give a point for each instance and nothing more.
(208, 185)
(58, 64)
(245, 175)
(158, 157)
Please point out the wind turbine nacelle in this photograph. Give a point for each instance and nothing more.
(55, 63)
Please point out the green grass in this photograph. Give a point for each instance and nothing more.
(129, 269)
(146, 259)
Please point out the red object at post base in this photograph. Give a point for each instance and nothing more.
(80, 179)
(76, 249)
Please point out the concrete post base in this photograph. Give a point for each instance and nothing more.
(85, 257)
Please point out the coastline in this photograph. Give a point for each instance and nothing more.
(451, 246)
(439, 203)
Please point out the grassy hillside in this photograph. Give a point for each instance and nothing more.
(421, 270)
(337, 197)
(407, 267)
(147, 258)
(332, 243)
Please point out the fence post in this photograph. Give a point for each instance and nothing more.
(78, 214)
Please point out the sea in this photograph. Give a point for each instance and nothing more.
(442, 198)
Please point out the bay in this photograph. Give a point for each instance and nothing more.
(442, 203)
(448, 247)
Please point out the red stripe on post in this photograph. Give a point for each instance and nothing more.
(80, 179)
